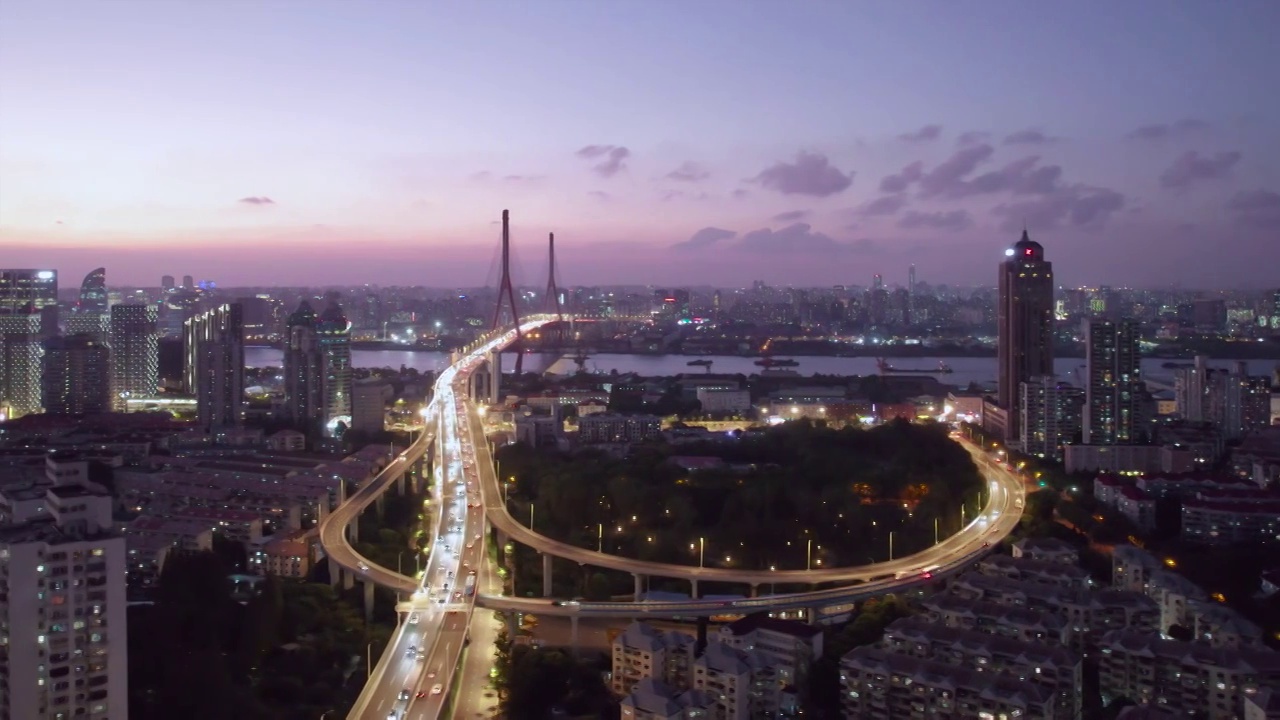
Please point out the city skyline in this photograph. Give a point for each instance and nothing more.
(715, 144)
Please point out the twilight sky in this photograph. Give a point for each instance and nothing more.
(665, 141)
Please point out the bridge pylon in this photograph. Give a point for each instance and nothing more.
(507, 294)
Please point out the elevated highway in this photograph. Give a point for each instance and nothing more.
(469, 493)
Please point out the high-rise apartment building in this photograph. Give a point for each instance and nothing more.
(334, 334)
(1191, 389)
(1049, 415)
(167, 283)
(62, 600)
(302, 370)
(77, 375)
(20, 351)
(1237, 402)
(31, 291)
(213, 353)
(317, 368)
(1114, 412)
(1024, 318)
(188, 282)
(135, 353)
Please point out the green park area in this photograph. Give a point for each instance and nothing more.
(795, 496)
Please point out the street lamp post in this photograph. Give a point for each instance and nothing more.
(935, 531)
(368, 661)
(530, 516)
(808, 555)
(890, 546)
(702, 548)
(600, 537)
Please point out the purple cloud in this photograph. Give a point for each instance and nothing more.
(486, 176)
(973, 137)
(739, 194)
(1076, 205)
(811, 174)
(706, 237)
(611, 158)
(951, 172)
(1192, 167)
(670, 195)
(252, 200)
(797, 238)
(1021, 177)
(928, 133)
(952, 220)
(887, 205)
(1256, 208)
(903, 179)
(689, 171)
(791, 216)
(1161, 131)
(600, 195)
(1030, 136)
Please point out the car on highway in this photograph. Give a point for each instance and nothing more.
(393, 715)
(437, 689)
(363, 568)
(565, 603)
(404, 694)
(411, 651)
(421, 694)
(413, 619)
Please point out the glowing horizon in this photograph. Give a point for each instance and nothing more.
(724, 142)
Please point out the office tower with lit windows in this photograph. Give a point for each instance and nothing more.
(1024, 317)
(77, 375)
(21, 349)
(90, 312)
(1115, 395)
(135, 353)
(62, 599)
(303, 366)
(93, 292)
(32, 291)
(213, 364)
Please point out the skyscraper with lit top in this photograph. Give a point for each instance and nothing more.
(1024, 319)
(334, 332)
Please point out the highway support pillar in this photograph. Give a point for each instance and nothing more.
(693, 595)
(400, 484)
(368, 601)
(353, 531)
(348, 579)
(513, 630)
(546, 575)
(639, 580)
(495, 376)
(755, 591)
(573, 634)
(815, 615)
(335, 573)
(380, 505)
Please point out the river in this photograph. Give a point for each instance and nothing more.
(964, 369)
